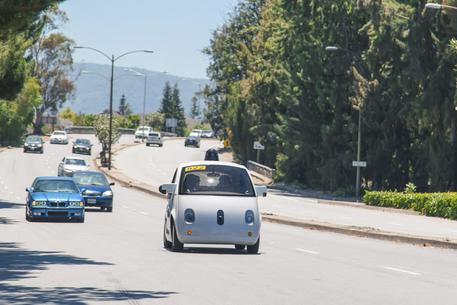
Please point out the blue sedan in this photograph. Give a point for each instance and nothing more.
(56, 198)
(95, 189)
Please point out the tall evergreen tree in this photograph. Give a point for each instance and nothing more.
(195, 110)
(178, 111)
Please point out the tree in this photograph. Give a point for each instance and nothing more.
(53, 63)
(156, 120)
(101, 128)
(124, 107)
(172, 107)
(68, 114)
(195, 110)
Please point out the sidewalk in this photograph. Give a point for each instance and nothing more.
(294, 208)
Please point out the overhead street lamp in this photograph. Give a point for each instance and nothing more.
(112, 59)
(143, 117)
(359, 129)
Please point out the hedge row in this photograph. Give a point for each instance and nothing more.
(430, 204)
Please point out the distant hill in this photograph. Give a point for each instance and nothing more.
(92, 89)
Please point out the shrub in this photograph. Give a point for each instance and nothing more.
(430, 204)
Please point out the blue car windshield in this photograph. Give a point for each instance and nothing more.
(55, 186)
(83, 178)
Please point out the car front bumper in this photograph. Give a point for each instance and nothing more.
(57, 213)
(33, 148)
(84, 150)
(58, 141)
(244, 235)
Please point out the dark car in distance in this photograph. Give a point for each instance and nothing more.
(82, 146)
(33, 143)
(193, 140)
(95, 189)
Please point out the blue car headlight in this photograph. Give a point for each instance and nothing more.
(37, 203)
(76, 203)
(107, 194)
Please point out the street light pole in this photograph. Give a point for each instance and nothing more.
(111, 112)
(112, 59)
(144, 102)
(359, 130)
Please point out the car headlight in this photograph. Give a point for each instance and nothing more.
(39, 203)
(107, 194)
(249, 217)
(76, 204)
(39, 145)
(68, 170)
(189, 215)
(26, 144)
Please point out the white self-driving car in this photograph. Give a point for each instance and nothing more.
(212, 202)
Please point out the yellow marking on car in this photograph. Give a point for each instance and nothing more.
(195, 168)
(189, 232)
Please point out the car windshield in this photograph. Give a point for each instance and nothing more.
(143, 129)
(70, 161)
(153, 134)
(59, 133)
(55, 186)
(219, 180)
(194, 134)
(82, 141)
(83, 178)
(33, 139)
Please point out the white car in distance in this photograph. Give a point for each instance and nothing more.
(59, 137)
(142, 132)
(212, 202)
(69, 165)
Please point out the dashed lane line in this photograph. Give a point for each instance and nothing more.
(402, 271)
(307, 251)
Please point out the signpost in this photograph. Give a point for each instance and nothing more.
(171, 124)
(258, 146)
(358, 164)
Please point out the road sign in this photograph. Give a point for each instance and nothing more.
(171, 123)
(359, 163)
(258, 146)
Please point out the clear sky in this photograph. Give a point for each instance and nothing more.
(176, 30)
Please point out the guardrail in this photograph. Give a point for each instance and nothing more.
(261, 169)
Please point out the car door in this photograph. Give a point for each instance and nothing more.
(169, 209)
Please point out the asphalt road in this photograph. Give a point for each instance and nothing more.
(117, 258)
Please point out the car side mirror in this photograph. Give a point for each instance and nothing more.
(29, 190)
(112, 184)
(167, 188)
(261, 190)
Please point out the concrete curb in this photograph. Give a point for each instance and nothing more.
(361, 232)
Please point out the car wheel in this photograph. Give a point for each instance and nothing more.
(240, 247)
(147, 144)
(254, 249)
(25, 150)
(176, 245)
(81, 220)
(166, 244)
(109, 210)
(42, 152)
(90, 152)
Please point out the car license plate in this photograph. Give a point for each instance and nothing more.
(91, 201)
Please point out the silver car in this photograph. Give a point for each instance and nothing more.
(154, 138)
(69, 165)
(212, 202)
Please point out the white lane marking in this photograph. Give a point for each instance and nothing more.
(11, 193)
(401, 271)
(307, 251)
(144, 213)
(125, 207)
(6, 187)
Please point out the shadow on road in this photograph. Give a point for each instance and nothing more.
(9, 205)
(17, 263)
